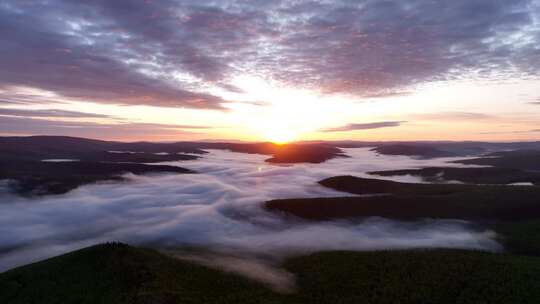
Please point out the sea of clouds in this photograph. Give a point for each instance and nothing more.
(219, 208)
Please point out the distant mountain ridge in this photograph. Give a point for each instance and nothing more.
(62, 147)
(35, 147)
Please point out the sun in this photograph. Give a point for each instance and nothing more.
(282, 114)
(279, 136)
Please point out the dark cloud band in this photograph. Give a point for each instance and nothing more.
(26, 125)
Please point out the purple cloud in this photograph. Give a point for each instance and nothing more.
(168, 53)
(49, 113)
(454, 116)
(14, 126)
(365, 126)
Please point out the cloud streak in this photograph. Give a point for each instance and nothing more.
(513, 132)
(365, 126)
(454, 116)
(19, 125)
(49, 113)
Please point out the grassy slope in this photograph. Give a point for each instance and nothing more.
(122, 274)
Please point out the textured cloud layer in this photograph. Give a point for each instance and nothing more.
(168, 53)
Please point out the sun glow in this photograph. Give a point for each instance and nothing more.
(282, 114)
(279, 136)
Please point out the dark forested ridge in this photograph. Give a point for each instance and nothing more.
(60, 147)
(413, 201)
(78, 161)
(512, 211)
(525, 159)
(41, 178)
(117, 273)
(483, 175)
(434, 149)
(63, 147)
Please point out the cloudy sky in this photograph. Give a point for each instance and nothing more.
(271, 70)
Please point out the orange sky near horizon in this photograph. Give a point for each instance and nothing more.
(444, 111)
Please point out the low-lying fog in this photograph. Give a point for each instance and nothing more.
(220, 209)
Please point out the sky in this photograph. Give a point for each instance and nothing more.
(271, 70)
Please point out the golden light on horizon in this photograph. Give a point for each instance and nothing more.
(279, 136)
(281, 114)
(274, 112)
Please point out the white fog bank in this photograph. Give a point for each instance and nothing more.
(220, 209)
